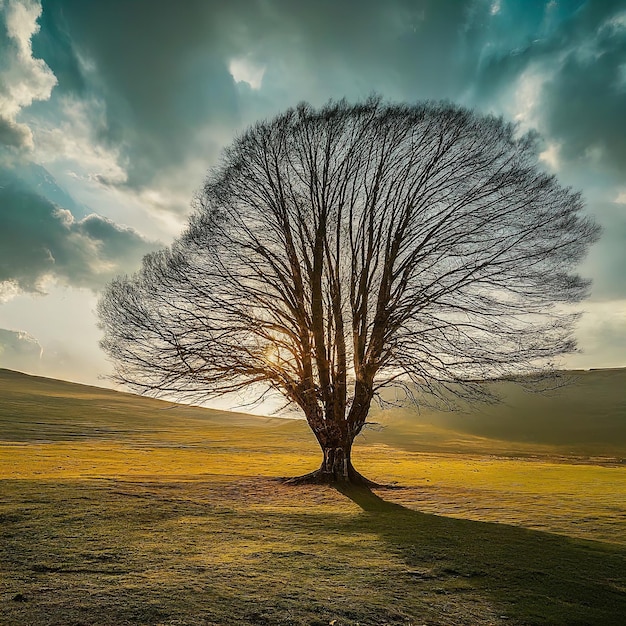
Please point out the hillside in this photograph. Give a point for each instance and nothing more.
(37, 408)
(586, 418)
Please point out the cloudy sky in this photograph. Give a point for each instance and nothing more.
(111, 112)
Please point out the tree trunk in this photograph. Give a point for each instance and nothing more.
(336, 467)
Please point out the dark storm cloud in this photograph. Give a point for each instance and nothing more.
(145, 60)
(402, 46)
(163, 67)
(39, 239)
(32, 176)
(576, 52)
(585, 103)
(580, 47)
(53, 43)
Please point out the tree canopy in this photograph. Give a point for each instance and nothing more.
(337, 251)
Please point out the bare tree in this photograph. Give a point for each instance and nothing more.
(334, 252)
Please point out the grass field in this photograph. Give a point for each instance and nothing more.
(116, 509)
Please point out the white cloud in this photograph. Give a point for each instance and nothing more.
(66, 331)
(9, 289)
(550, 156)
(601, 336)
(24, 78)
(523, 106)
(21, 22)
(71, 139)
(96, 173)
(616, 22)
(245, 70)
(19, 350)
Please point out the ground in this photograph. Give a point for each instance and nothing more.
(119, 510)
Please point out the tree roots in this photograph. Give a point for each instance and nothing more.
(320, 477)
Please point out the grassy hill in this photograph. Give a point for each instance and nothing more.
(585, 417)
(117, 509)
(37, 408)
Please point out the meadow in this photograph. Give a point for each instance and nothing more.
(116, 509)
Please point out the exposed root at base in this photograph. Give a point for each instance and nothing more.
(319, 477)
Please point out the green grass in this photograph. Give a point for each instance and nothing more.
(116, 509)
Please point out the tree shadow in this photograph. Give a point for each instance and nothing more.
(529, 576)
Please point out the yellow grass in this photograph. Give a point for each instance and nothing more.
(579, 500)
(117, 509)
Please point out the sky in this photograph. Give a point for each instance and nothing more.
(113, 111)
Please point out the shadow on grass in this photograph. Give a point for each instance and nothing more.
(249, 551)
(529, 576)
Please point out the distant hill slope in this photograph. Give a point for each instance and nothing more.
(37, 408)
(586, 418)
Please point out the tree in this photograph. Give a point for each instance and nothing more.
(338, 251)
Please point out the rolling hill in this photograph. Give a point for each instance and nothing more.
(585, 418)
